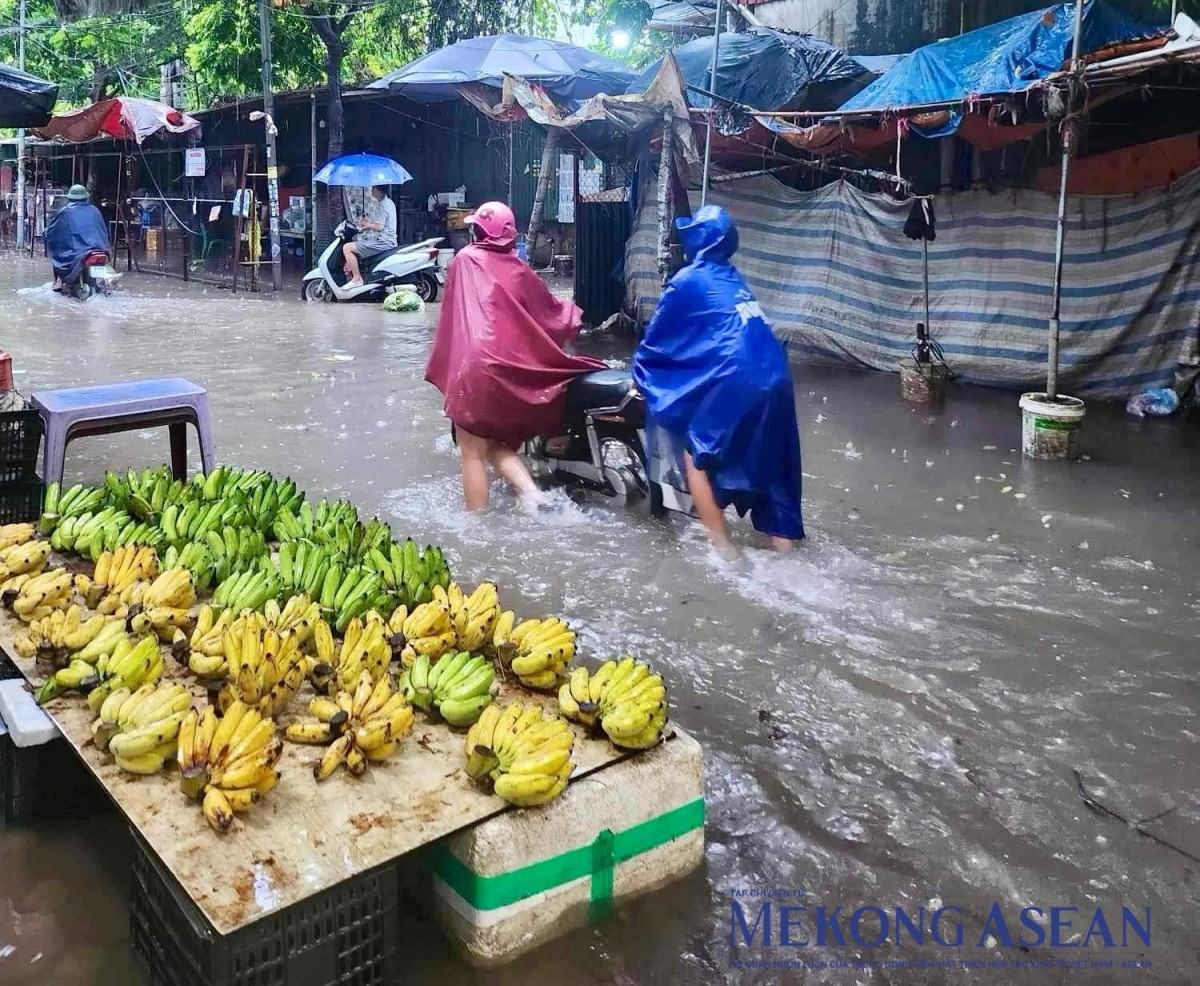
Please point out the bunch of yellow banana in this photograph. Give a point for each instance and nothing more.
(206, 649)
(537, 651)
(299, 614)
(129, 665)
(473, 616)
(230, 761)
(40, 595)
(523, 752)
(360, 727)
(173, 589)
(625, 698)
(365, 647)
(428, 630)
(117, 571)
(62, 632)
(16, 534)
(266, 667)
(23, 558)
(139, 727)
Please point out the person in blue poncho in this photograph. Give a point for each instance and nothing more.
(76, 230)
(719, 392)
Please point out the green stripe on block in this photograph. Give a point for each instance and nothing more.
(598, 860)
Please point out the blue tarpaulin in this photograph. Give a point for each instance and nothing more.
(25, 100)
(762, 68)
(1010, 56)
(565, 71)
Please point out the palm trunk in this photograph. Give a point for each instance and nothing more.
(536, 216)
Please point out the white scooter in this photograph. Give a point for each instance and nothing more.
(416, 265)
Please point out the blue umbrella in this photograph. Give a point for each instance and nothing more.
(363, 171)
(563, 70)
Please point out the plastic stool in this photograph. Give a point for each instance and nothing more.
(171, 402)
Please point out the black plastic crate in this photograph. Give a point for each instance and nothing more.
(20, 440)
(8, 670)
(45, 782)
(348, 935)
(20, 502)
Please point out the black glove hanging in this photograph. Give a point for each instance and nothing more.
(922, 223)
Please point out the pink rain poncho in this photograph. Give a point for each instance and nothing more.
(497, 357)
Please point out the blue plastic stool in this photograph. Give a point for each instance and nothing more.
(81, 411)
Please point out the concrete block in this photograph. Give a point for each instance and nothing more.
(27, 724)
(528, 876)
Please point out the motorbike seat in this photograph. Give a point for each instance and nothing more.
(602, 389)
(370, 263)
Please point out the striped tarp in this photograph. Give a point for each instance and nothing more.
(838, 279)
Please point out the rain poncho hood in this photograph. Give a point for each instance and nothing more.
(497, 357)
(76, 229)
(717, 382)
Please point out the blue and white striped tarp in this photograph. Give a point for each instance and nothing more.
(839, 280)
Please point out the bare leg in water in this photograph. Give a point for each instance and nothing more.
(712, 516)
(476, 453)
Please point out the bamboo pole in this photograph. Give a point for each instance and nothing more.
(666, 167)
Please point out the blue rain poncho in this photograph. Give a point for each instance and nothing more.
(717, 382)
(76, 230)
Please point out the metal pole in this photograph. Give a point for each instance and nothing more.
(21, 138)
(1061, 233)
(925, 245)
(311, 259)
(264, 30)
(712, 88)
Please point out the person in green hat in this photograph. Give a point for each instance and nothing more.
(76, 230)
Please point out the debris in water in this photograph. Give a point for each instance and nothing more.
(1018, 496)
(1006, 489)
(1083, 546)
(1046, 518)
(959, 507)
(819, 418)
(339, 358)
(1124, 493)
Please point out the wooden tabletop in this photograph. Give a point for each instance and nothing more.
(304, 836)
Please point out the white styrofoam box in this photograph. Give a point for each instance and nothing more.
(27, 724)
(620, 832)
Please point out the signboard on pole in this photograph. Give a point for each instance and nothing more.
(195, 163)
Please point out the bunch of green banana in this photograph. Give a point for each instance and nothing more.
(304, 522)
(410, 574)
(522, 753)
(194, 520)
(229, 763)
(12, 535)
(344, 592)
(58, 506)
(197, 559)
(427, 630)
(365, 647)
(266, 667)
(537, 651)
(129, 665)
(623, 697)
(360, 727)
(248, 590)
(139, 727)
(28, 558)
(220, 554)
(459, 686)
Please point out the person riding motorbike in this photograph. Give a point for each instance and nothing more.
(719, 398)
(498, 355)
(76, 230)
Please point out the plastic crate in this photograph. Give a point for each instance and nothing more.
(8, 670)
(21, 501)
(348, 935)
(45, 782)
(20, 440)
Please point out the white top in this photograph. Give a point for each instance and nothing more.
(382, 211)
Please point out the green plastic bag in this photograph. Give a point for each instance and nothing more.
(403, 301)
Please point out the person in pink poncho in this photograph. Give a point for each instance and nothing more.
(498, 355)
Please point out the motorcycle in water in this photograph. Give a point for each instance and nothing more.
(602, 446)
(94, 276)
(415, 265)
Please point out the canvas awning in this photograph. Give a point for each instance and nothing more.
(25, 100)
(124, 118)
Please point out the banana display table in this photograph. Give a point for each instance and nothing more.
(305, 836)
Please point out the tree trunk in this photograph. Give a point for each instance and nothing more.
(549, 158)
(98, 92)
(330, 32)
(666, 185)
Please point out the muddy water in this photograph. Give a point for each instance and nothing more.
(891, 717)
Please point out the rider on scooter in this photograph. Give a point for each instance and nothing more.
(76, 230)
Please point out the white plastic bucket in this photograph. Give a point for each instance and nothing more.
(1050, 429)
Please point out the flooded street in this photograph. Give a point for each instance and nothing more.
(891, 717)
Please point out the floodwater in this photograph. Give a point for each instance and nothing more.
(891, 717)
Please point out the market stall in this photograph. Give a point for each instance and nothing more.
(346, 669)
